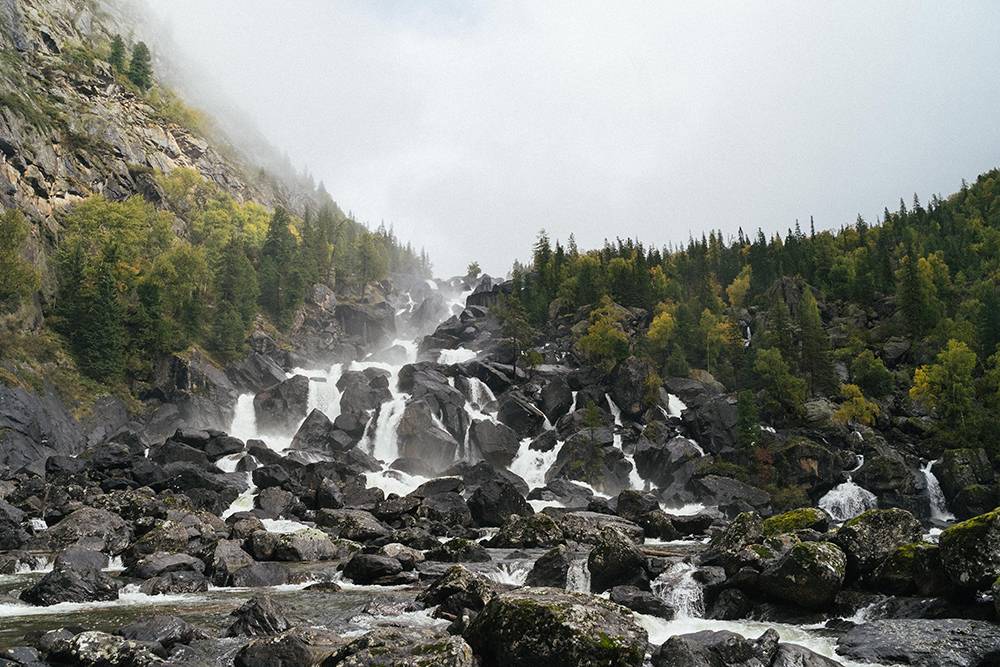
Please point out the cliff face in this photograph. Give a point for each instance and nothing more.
(69, 128)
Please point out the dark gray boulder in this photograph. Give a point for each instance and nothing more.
(494, 501)
(615, 560)
(496, 443)
(34, 427)
(66, 584)
(280, 408)
(404, 646)
(923, 642)
(258, 616)
(162, 629)
(551, 569)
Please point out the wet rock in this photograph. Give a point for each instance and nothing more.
(164, 630)
(587, 527)
(667, 464)
(557, 398)
(712, 423)
(615, 560)
(355, 525)
(793, 655)
(593, 459)
(318, 434)
(447, 508)
(99, 649)
(868, 539)
(658, 525)
(416, 647)
(257, 575)
(34, 427)
(457, 590)
(628, 385)
(421, 436)
(257, 617)
(551, 569)
(547, 626)
(641, 601)
(199, 392)
(912, 569)
(809, 575)
(307, 545)
(226, 558)
(66, 584)
(726, 548)
(280, 408)
(293, 647)
(970, 551)
(959, 469)
(81, 559)
(520, 414)
(494, 501)
(631, 504)
(730, 605)
(459, 550)
(165, 537)
(174, 583)
(161, 563)
(530, 532)
(563, 491)
(496, 443)
(923, 643)
(367, 569)
(88, 528)
(730, 495)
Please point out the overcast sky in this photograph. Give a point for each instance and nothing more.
(471, 125)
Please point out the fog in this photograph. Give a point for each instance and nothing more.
(469, 126)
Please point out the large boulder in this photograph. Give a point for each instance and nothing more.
(496, 443)
(304, 545)
(370, 323)
(494, 501)
(528, 532)
(551, 568)
(722, 648)
(810, 575)
(426, 383)
(195, 393)
(869, 538)
(912, 569)
(459, 550)
(923, 643)
(318, 434)
(363, 391)
(968, 481)
(520, 414)
(422, 436)
(667, 463)
(713, 423)
(167, 631)
(100, 649)
(557, 399)
(257, 617)
(548, 626)
(225, 559)
(641, 601)
(350, 524)
(296, 646)
(730, 495)
(615, 560)
(592, 458)
(628, 385)
(726, 548)
(970, 551)
(366, 569)
(413, 647)
(89, 528)
(456, 590)
(67, 584)
(280, 408)
(587, 527)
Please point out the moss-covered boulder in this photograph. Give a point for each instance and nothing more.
(797, 519)
(457, 589)
(970, 551)
(912, 569)
(725, 548)
(614, 561)
(961, 468)
(414, 647)
(555, 628)
(809, 575)
(975, 499)
(869, 538)
(459, 550)
(528, 532)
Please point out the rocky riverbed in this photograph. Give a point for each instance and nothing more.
(430, 504)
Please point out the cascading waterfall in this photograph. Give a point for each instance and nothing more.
(244, 424)
(531, 465)
(578, 576)
(678, 588)
(457, 356)
(847, 500)
(935, 496)
(511, 573)
(635, 480)
(382, 442)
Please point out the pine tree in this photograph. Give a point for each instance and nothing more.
(514, 325)
(140, 70)
(815, 361)
(18, 279)
(779, 333)
(747, 419)
(117, 57)
(100, 333)
(236, 294)
(281, 284)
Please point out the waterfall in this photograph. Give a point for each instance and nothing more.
(679, 589)
(634, 479)
(244, 424)
(456, 356)
(531, 465)
(244, 501)
(935, 496)
(511, 573)
(675, 406)
(383, 443)
(572, 408)
(848, 500)
(578, 576)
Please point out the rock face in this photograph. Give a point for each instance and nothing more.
(421, 437)
(547, 626)
(970, 551)
(592, 458)
(615, 560)
(495, 501)
(496, 443)
(280, 408)
(924, 643)
(32, 428)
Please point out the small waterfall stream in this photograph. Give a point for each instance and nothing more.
(635, 480)
(935, 496)
(847, 500)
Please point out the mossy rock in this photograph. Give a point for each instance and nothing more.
(415, 647)
(912, 569)
(809, 575)
(869, 538)
(797, 519)
(970, 551)
(555, 628)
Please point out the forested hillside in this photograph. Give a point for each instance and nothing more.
(894, 323)
(132, 228)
